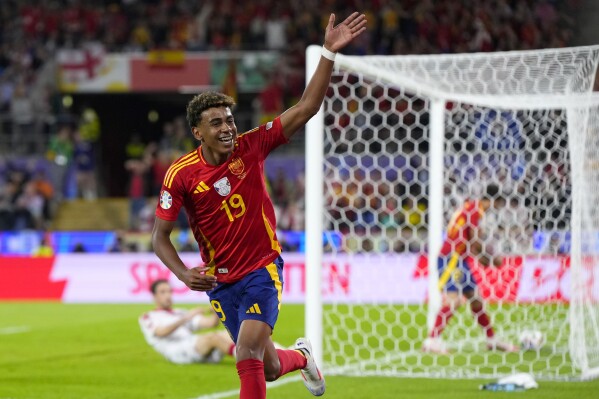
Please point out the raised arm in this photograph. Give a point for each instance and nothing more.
(335, 38)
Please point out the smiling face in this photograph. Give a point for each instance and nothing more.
(217, 132)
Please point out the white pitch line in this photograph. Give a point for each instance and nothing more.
(235, 392)
(14, 330)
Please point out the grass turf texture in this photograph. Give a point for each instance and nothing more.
(396, 332)
(97, 351)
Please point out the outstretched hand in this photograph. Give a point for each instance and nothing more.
(337, 37)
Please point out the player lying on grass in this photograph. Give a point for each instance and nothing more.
(171, 331)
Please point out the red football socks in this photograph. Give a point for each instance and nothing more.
(251, 375)
(441, 321)
(483, 320)
(290, 360)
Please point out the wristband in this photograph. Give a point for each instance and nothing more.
(329, 55)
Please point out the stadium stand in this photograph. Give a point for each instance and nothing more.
(48, 152)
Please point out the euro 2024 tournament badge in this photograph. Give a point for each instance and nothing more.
(223, 187)
(166, 200)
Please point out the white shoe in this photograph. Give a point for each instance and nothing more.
(498, 345)
(313, 378)
(434, 345)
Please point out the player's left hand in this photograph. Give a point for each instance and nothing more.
(337, 37)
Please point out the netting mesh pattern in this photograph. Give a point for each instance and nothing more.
(522, 75)
(376, 196)
(584, 341)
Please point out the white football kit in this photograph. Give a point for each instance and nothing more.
(179, 346)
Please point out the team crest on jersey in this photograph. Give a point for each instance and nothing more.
(166, 200)
(237, 167)
(223, 186)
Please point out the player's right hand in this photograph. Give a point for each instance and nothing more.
(337, 37)
(197, 279)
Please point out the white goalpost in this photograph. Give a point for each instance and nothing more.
(399, 144)
(314, 216)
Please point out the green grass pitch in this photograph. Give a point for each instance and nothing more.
(59, 351)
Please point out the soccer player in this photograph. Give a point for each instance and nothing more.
(463, 242)
(221, 186)
(171, 331)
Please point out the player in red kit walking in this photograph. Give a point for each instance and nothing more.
(463, 242)
(221, 186)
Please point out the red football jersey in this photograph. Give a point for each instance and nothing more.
(228, 207)
(462, 223)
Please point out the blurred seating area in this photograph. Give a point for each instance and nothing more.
(50, 153)
(31, 33)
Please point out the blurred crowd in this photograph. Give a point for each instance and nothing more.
(48, 153)
(395, 26)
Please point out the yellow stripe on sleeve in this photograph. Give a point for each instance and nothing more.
(249, 131)
(169, 182)
(174, 166)
(178, 162)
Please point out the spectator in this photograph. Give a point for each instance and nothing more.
(271, 99)
(29, 208)
(44, 250)
(160, 164)
(8, 193)
(135, 148)
(60, 153)
(555, 245)
(119, 243)
(21, 112)
(292, 218)
(85, 167)
(138, 189)
(31, 34)
(79, 248)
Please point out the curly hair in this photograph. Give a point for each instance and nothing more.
(202, 102)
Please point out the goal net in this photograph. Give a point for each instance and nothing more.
(401, 144)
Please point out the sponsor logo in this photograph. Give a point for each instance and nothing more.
(223, 270)
(166, 200)
(223, 186)
(254, 309)
(268, 125)
(201, 187)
